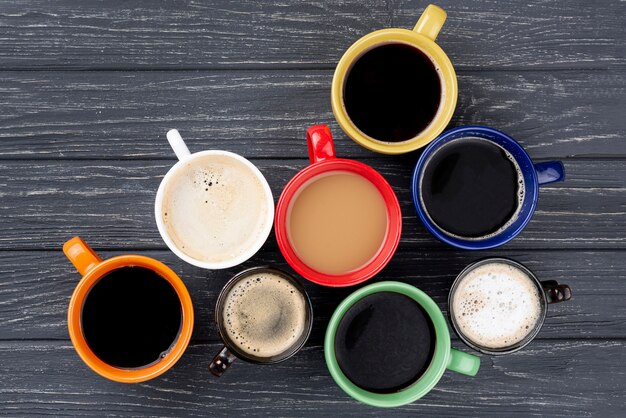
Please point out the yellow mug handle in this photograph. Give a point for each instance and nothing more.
(431, 21)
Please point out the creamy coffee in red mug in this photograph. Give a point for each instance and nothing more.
(338, 221)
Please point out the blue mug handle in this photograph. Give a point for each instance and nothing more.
(550, 171)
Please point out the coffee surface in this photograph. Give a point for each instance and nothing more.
(214, 208)
(384, 342)
(472, 188)
(496, 305)
(392, 92)
(264, 315)
(337, 223)
(131, 317)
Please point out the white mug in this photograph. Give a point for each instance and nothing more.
(184, 158)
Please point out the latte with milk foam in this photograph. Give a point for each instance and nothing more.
(215, 208)
(264, 315)
(496, 305)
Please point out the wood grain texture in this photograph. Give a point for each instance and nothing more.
(549, 378)
(292, 33)
(124, 115)
(45, 202)
(34, 306)
(88, 90)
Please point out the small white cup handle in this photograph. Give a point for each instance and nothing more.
(177, 144)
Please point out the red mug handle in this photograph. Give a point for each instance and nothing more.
(320, 143)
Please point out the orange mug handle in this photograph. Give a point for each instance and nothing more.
(81, 255)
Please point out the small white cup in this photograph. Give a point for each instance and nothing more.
(185, 157)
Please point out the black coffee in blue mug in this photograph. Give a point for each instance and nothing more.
(475, 187)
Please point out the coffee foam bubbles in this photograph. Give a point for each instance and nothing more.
(264, 315)
(496, 305)
(214, 208)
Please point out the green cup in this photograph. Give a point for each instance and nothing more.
(444, 357)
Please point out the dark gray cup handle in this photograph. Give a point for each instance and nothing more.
(221, 362)
(556, 292)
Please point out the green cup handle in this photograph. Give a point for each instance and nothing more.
(464, 363)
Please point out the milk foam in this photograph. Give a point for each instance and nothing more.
(496, 305)
(214, 208)
(264, 315)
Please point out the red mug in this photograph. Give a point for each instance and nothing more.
(323, 160)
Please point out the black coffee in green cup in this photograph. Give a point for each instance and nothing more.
(390, 322)
(388, 344)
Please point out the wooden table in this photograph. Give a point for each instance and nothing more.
(89, 88)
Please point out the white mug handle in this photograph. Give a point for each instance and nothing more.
(177, 144)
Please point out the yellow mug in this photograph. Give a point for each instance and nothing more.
(421, 37)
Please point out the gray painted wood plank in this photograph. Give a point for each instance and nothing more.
(550, 73)
(548, 378)
(126, 114)
(45, 202)
(37, 286)
(227, 33)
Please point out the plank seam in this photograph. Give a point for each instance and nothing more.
(217, 341)
(410, 248)
(322, 67)
(616, 158)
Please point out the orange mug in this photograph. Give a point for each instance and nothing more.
(93, 269)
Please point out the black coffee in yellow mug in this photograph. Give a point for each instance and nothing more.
(393, 92)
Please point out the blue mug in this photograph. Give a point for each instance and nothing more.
(533, 174)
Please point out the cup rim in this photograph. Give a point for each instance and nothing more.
(388, 247)
(130, 375)
(269, 200)
(528, 338)
(427, 46)
(233, 347)
(476, 244)
(431, 376)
